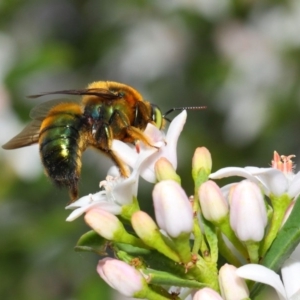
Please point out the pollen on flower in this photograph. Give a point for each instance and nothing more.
(283, 163)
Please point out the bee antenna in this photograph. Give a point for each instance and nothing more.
(182, 108)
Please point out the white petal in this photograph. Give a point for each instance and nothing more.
(83, 201)
(99, 197)
(233, 171)
(113, 171)
(153, 133)
(127, 154)
(264, 275)
(226, 189)
(146, 162)
(109, 207)
(291, 277)
(124, 191)
(147, 169)
(294, 188)
(272, 178)
(173, 134)
(78, 212)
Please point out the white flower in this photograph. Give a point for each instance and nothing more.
(288, 288)
(118, 191)
(278, 180)
(166, 144)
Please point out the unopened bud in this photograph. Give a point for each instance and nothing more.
(248, 214)
(149, 233)
(164, 170)
(207, 294)
(171, 204)
(231, 285)
(110, 227)
(201, 163)
(121, 277)
(213, 204)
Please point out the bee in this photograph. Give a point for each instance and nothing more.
(64, 129)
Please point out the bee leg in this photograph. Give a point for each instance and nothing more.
(104, 137)
(132, 132)
(142, 116)
(124, 171)
(137, 134)
(73, 192)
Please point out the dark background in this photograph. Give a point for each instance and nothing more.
(240, 58)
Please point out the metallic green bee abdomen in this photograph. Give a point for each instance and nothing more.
(60, 148)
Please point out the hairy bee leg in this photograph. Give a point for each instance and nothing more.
(137, 134)
(133, 132)
(104, 137)
(120, 164)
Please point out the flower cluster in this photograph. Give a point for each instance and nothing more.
(177, 254)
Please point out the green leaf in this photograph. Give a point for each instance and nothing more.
(211, 237)
(285, 243)
(132, 250)
(92, 242)
(165, 278)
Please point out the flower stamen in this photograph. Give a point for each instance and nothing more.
(283, 163)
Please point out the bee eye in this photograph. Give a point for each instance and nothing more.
(156, 116)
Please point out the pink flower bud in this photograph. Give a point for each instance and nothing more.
(232, 286)
(121, 277)
(173, 210)
(103, 222)
(207, 294)
(213, 204)
(248, 214)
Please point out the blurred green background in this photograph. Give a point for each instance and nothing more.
(240, 58)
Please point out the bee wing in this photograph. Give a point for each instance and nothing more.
(41, 111)
(102, 93)
(28, 136)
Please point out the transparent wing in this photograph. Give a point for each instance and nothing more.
(28, 136)
(41, 111)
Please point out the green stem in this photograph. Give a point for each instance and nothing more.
(226, 252)
(198, 236)
(229, 233)
(182, 245)
(280, 205)
(129, 209)
(253, 248)
(199, 241)
(206, 273)
(153, 295)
